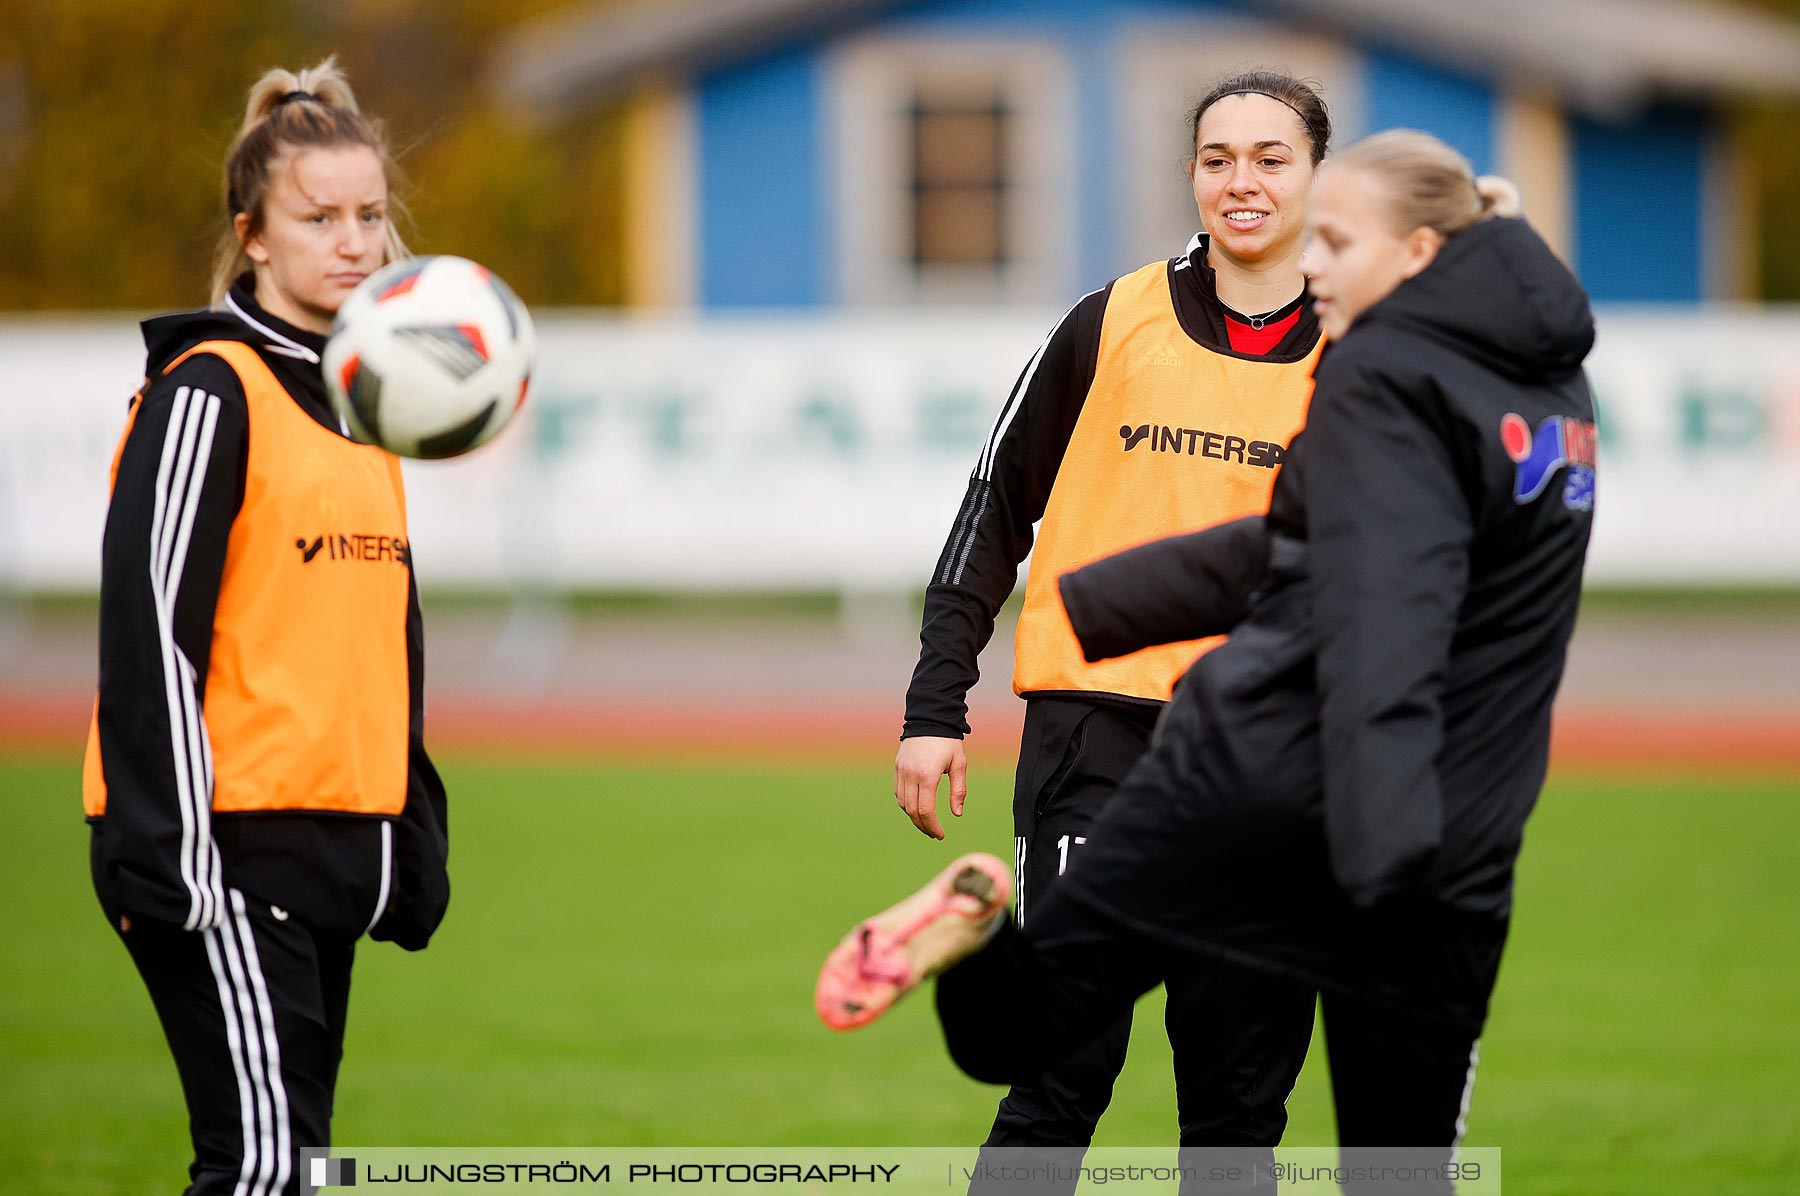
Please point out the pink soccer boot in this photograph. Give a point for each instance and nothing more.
(895, 951)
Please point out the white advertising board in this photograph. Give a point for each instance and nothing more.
(831, 452)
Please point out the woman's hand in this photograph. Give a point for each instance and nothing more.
(917, 767)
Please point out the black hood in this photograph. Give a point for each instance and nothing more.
(292, 354)
(168, 337)
(1497, 293)
(237, 318)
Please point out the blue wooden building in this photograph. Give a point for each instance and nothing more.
(808, 154)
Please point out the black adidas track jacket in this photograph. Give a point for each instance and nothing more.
(329, 869)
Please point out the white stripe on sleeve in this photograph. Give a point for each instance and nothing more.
(984, 468)
(187, 447)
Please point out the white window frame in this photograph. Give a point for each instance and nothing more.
(874, 80)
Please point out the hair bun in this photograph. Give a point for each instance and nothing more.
(324, 84)
(1498, 196)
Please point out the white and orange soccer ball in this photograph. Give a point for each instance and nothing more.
(430, 357)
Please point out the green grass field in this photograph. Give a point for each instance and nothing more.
(629, 960)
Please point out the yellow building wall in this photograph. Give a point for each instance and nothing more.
(1534, 153)
(659, 197)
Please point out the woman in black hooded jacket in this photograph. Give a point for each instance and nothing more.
(257, 782)
(1339, 792)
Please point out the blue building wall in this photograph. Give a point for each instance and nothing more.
(1406, 92)
(768, 235)
(1640, 197)
(766, 220)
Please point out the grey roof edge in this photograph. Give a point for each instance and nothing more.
(1601, 55)
(567, 59)
(1598, 54)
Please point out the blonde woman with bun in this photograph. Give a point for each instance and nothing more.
(1404, 194)
(256, 778)
(1338, 793)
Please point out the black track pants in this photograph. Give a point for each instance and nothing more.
(1239, 1037)
(1397, 1079)
(254, 1014)
(1183, 878)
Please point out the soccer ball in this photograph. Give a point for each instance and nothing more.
(429, 357)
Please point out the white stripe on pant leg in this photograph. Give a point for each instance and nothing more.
(1019, 846)
(272, 1045)
(387, 874)
(235, 1042)
(1468, 1094)
(254, 1056)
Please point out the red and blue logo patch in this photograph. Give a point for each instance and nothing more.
(1559, 441)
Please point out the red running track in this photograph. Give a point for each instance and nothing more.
(1746, 742)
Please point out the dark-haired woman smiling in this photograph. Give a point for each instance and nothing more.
(1160, 403)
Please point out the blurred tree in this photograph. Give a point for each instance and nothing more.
(115, 116)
